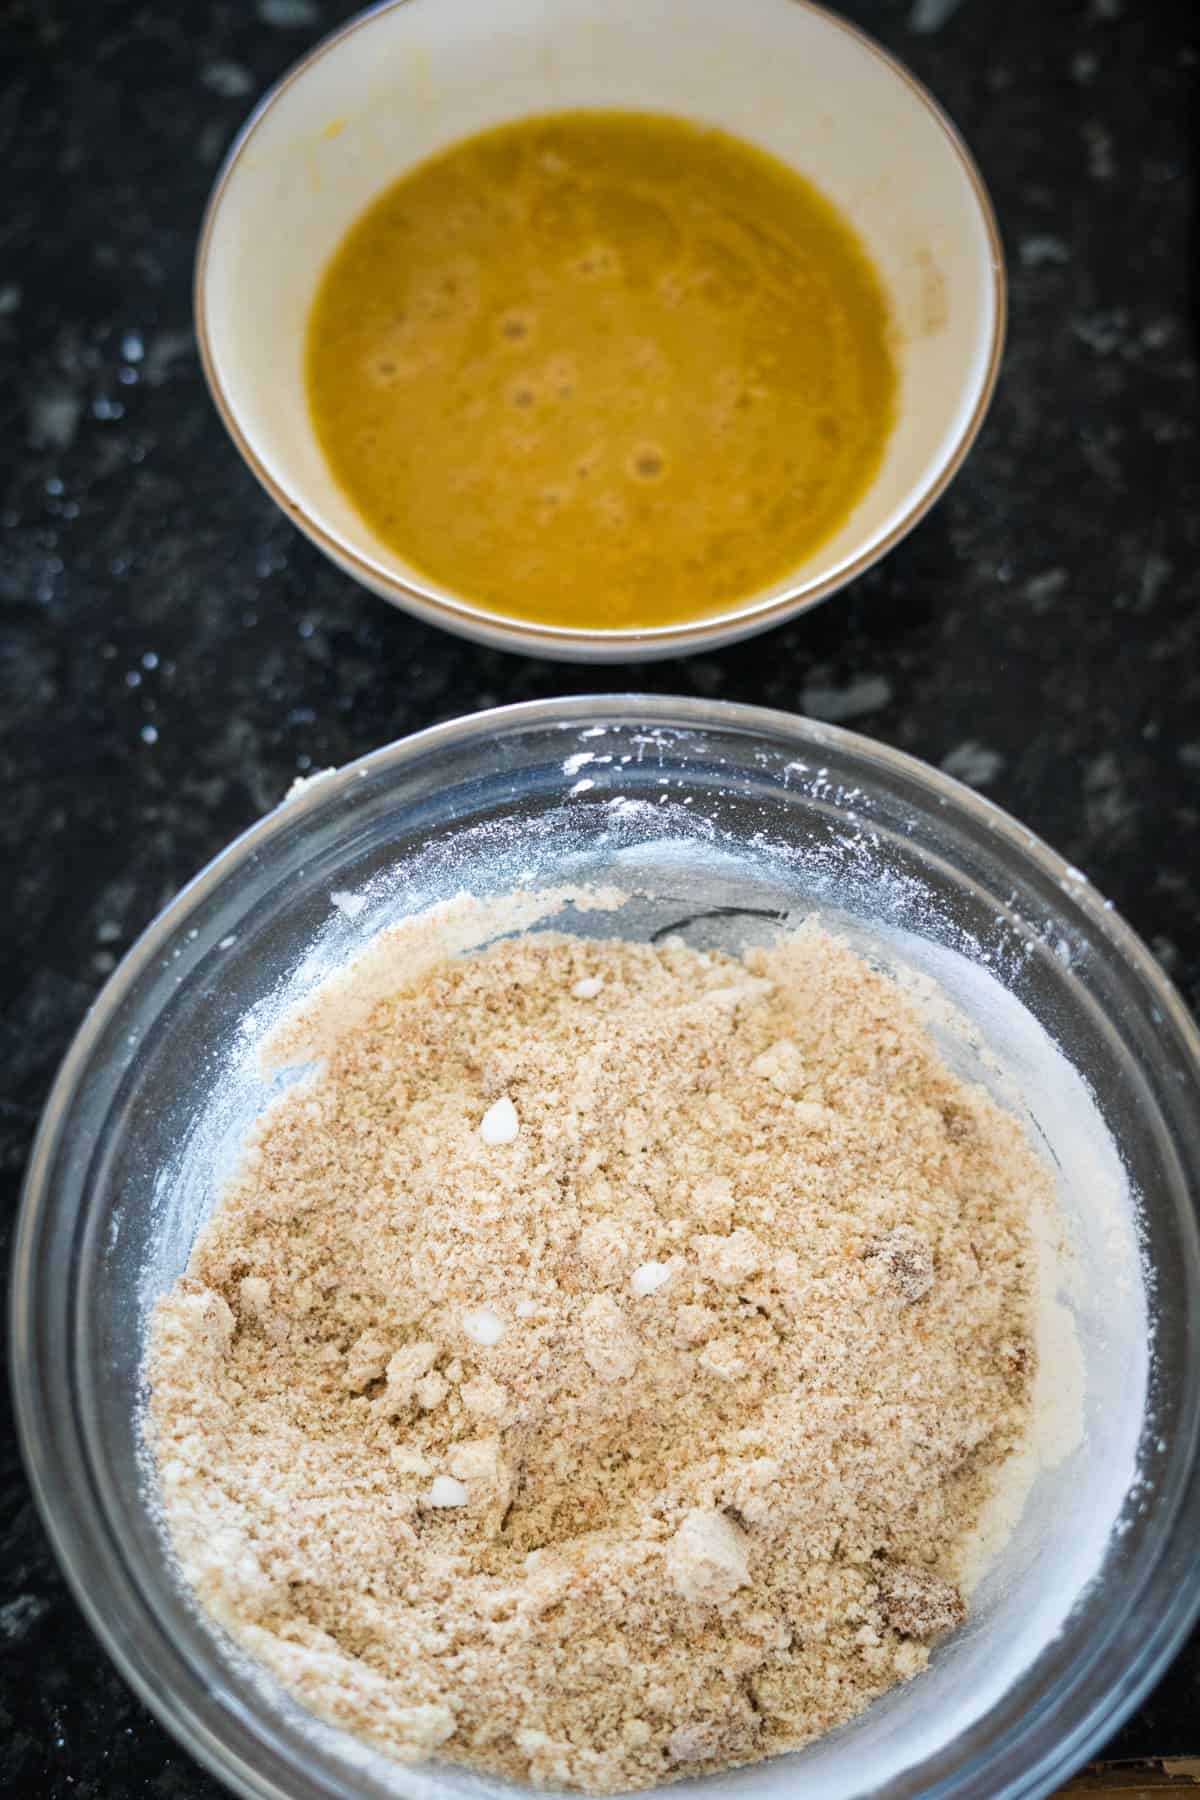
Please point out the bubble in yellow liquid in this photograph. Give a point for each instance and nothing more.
(603, 370)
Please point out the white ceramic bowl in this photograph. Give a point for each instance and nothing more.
(406, 80)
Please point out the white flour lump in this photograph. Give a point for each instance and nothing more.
(595, 1374)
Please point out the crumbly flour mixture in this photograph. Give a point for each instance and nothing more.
(595, 1373)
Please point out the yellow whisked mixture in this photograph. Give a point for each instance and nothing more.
(602, 369)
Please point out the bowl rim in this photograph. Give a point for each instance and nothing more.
(465, 618)
(60, 1511)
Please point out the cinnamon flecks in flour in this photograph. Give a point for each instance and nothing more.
(595, 1374)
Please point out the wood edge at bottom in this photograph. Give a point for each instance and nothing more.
(1143, 1780)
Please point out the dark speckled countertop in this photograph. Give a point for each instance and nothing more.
(173, 654)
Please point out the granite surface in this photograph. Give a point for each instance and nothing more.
(173, 653)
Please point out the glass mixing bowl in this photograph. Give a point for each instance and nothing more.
(718, 820)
